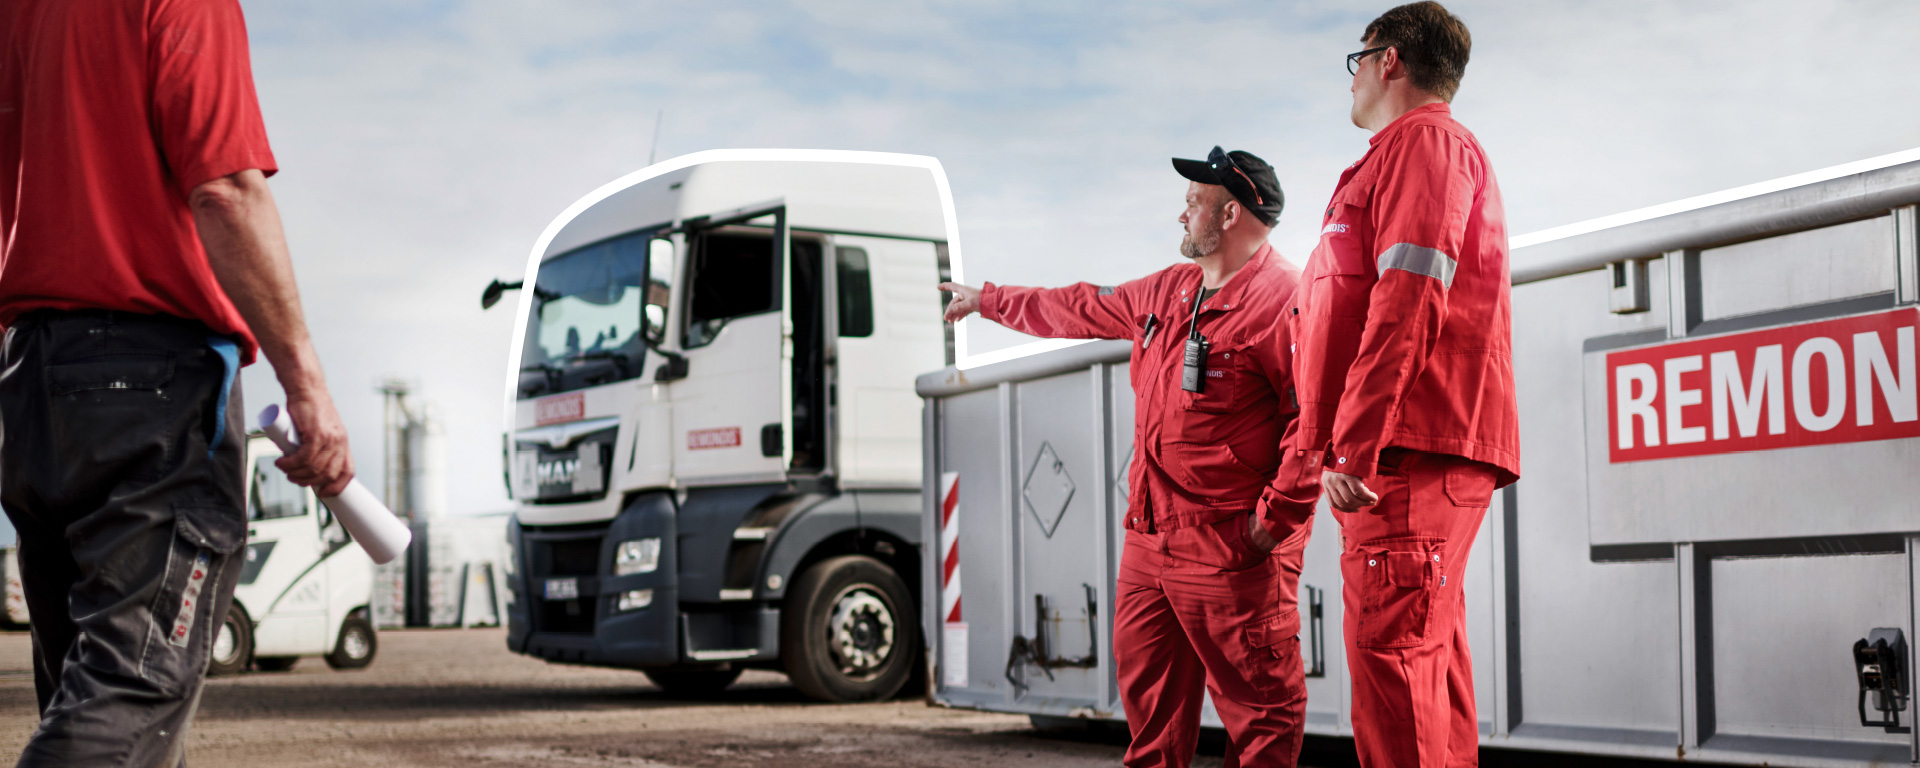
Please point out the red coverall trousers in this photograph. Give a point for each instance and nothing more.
(1402, 562)
(1201, 606)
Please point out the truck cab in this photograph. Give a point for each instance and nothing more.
(714, 440)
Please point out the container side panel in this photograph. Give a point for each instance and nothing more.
(1479, 587)
(1783, 634)
(1860, 487)
(1120, 450)
(970, 436)
(1854, 259)
(1597, 641)
(1328, 694)
(1063, 584)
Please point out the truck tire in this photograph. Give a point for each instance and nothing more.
(232, 644)
(355, 646)
(275, 663)
(849, 631)
(693, 682)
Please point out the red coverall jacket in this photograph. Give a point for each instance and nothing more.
(1403, 325)
(1200, 457)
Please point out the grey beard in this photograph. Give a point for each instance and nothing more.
(1207, 243)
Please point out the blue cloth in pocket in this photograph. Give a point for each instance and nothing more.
(229, 353)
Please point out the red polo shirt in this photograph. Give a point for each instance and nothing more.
(111, 112)
(1197, 457)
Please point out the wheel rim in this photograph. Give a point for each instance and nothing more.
(355, 644)
(225, 645)
(860, 632)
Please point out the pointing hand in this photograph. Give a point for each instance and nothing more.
(966, 301)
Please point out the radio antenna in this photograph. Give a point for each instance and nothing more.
(655, 149)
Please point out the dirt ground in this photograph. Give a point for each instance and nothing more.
(443, 698)
(458, 698)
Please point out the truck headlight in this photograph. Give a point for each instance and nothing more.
(636, 556)
(634, 599)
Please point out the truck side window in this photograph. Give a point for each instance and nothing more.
(855, 282)
(732, 276)
(273, 495)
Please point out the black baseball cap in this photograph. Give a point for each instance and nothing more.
(1248, 178)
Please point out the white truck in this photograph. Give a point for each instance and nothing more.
(713, 437)
(305, 586)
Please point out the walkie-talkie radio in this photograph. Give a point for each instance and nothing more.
(1193, 371)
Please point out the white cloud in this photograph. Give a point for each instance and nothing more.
(425, 146)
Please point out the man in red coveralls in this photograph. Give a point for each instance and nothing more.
(142, 263)
(1204, 597)
(1407, 412)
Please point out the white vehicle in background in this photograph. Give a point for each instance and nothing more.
(305, 586)
(14, 615)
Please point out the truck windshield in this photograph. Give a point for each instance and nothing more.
(588, 321)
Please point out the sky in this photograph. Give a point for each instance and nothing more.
(424, 146)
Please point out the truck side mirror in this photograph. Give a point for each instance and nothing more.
(491, 295)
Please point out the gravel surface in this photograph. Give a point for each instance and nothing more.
(435, 698)
(458, 698)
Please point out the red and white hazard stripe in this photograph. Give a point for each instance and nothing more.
(949, 547)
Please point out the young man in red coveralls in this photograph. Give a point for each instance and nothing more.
(142, 263)
(1204, 597)
(1405, 377)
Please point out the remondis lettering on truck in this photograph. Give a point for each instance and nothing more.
(1835, 381)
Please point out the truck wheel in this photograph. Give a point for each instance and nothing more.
(849, 631)
(356, 645)
(232, 644)
(275, 663)
(693, 682)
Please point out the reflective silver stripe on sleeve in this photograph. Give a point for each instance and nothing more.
(1420, 261)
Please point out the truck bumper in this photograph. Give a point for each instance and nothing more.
(588, 628)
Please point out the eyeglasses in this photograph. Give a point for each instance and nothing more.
(1353, 59)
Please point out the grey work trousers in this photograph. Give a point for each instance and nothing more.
(120, 465)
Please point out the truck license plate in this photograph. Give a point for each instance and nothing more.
(563, 589)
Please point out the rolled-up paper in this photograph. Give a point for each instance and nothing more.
(372, 525)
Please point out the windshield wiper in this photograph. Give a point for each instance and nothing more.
(602, 354)
(620, 363)
(548, 374)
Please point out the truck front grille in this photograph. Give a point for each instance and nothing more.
(575, 555)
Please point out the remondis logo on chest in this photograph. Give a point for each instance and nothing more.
(1835, 381)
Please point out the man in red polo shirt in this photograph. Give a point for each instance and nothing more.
(142, 264)
(1407, 411)
(1205, 600)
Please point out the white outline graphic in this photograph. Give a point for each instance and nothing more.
(1712, 198)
